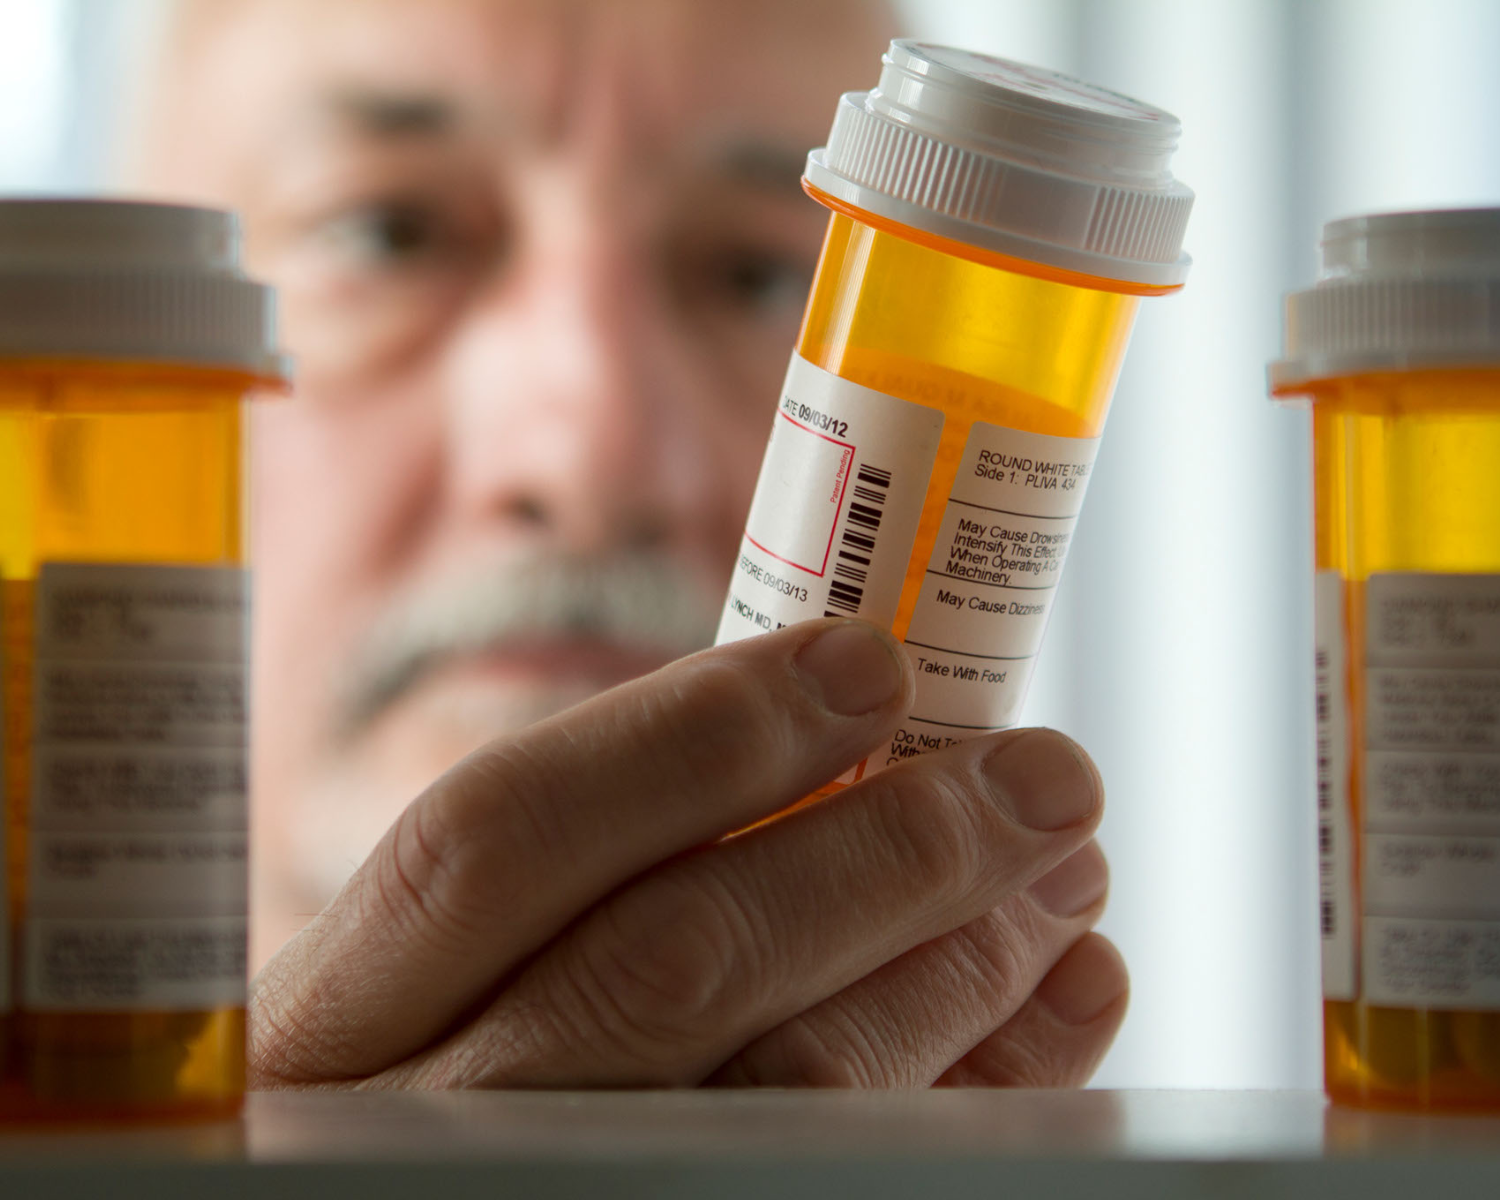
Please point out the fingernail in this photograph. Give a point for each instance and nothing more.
(850, 669)
(1085, 981)
(1075, 883)
(1048, 781)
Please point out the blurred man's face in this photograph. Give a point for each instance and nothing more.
(541, 264)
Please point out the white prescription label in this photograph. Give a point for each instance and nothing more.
(1336, 908)
(114, 962)
(835, 513)
(137, 892)
(1431, 866)
(987, 594)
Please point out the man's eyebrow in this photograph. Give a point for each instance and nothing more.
(382, 114)
(770, 165)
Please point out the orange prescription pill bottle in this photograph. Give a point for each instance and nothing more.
(1397, 347)
(993, 227)
(129, 339)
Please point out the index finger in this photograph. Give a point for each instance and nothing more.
(520, 838)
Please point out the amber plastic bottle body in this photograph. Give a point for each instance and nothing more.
(1406, 479)
(112, 465)
(974, 335)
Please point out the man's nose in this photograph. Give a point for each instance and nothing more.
(573, 411)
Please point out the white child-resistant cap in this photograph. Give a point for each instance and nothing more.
(1398, 291)
(1014, 159)
(119, 280)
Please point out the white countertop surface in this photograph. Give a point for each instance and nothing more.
(1054, 1144)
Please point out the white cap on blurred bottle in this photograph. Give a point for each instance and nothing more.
(1398, 291)
(122, 280)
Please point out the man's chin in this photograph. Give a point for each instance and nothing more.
(453, 713)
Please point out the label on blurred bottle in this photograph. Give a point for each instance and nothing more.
(137, 880)
(991, 576)
(1335, 836)
(1431, 862)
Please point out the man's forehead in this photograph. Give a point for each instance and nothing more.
(428, 67)
(375, 114)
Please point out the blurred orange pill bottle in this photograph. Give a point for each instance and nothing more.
(129, 340)
(1397, 348)
(994, 227)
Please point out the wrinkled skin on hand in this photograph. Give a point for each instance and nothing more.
(564, 909)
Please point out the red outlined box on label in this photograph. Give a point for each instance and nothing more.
(793, 521)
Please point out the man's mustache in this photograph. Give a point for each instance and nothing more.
(638, 601)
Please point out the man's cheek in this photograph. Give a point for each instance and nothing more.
(335, 482)
(306, 582)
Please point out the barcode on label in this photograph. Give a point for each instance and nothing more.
(1327, 865)
(851, 570)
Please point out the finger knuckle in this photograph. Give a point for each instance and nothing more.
(940, 841)
(491, 1057)
(837, 1050)
(817, 1052)
(719, 724)
(416, 887)
(1035, 1064)
(458, 815)
(668, 971)
(1001, 949)
(290, 1042)
(458, 854)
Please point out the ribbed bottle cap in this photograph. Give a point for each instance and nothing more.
(1398, 291)
(122, 280)
(1015, 159)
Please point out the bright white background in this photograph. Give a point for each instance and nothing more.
(1180, 652)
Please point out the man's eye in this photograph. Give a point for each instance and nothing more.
(764, 282)
(388, 234)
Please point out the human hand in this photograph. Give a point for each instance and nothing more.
(563, 909)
